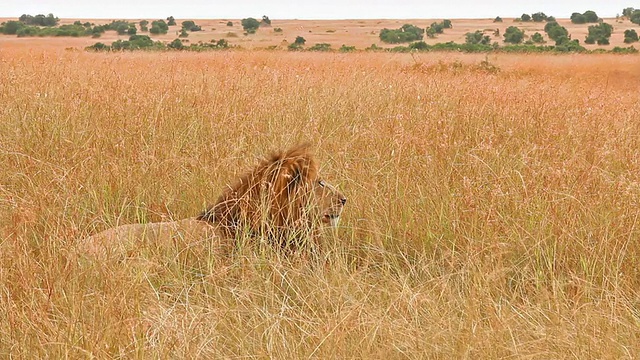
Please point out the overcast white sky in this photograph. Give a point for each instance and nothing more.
(307, 9)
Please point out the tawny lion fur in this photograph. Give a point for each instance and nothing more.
(281, 200)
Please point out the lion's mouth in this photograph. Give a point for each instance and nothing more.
(331, 219)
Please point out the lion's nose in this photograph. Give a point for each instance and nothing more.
(343, 201)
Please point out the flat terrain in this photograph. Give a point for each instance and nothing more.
(493, 212)
(358, 33)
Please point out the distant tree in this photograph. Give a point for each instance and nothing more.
(551, 18)
(132, 30)
(435, 28)
(570, 46)
(630, 36)
(591, 16)
(250, 25)
(477, 37)
(176, 44)
(556, 32)
(626, 12)
(122, 29)
(299, 40)
(159, 27)
(447, 24)
(407, 33)
(537, 38)
(229, 23)
(513, 35)
(171, 21)
(578, 18)
(12, 27)
(497, 19)
(539, 17)
(599, 34)
(39, 20)
(635, 17)
(183, 33)
(143, 25)
(190, 25)
(525, 17)
(135, 42)
(97, 31)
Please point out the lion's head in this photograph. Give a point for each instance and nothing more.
(283, 199)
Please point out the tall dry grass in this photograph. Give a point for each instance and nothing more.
(491, 214)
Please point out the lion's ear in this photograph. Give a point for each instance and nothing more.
(303, 171)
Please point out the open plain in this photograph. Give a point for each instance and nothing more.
(358, 33)
(493, 203)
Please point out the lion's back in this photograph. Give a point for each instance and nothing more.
(122, 239)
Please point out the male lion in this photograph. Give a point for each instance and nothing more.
(282, 200)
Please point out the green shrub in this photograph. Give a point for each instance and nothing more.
(556, 32)
(176, 44)
(599, 34)
(578, 18)
(589, 16)
(407, 33)
(630, 36)
(477, 37)
(539, 17)
(250, 25)
(321, 47)
(345, 49)
(11, 27)
(39, 20)
(537, 38)
(627, 50)
(419, 46)
(190, 25)
(159, 27)
(513, 35)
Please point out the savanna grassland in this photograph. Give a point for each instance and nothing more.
(360, 34)
(493, 205)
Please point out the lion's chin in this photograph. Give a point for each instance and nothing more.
(331, 220)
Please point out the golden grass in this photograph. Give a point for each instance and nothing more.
(490, 214)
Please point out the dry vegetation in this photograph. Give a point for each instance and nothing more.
(491, 214)
(358, 33)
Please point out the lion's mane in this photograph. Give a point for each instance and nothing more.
(275, 199)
